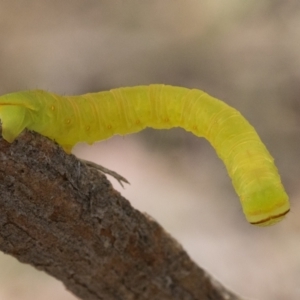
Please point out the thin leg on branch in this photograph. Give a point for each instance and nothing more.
(104, 170)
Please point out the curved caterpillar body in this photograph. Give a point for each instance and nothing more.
(97, 116)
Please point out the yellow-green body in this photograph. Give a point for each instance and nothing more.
(97, 116)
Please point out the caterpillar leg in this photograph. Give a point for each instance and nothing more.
(104, 170)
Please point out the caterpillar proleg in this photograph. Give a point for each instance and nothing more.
(98, 116)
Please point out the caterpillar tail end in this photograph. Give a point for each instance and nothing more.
(13, 121)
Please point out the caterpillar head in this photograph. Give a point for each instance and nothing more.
(266, 206)
(17, 112)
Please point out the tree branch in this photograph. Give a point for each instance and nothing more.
(66, 219)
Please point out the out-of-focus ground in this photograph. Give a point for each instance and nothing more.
(244, 52)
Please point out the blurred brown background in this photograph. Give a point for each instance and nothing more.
(244, 52)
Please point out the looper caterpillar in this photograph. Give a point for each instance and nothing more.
(97, 116)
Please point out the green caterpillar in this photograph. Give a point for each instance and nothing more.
(97, 116)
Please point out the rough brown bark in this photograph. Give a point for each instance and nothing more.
(67, 220)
